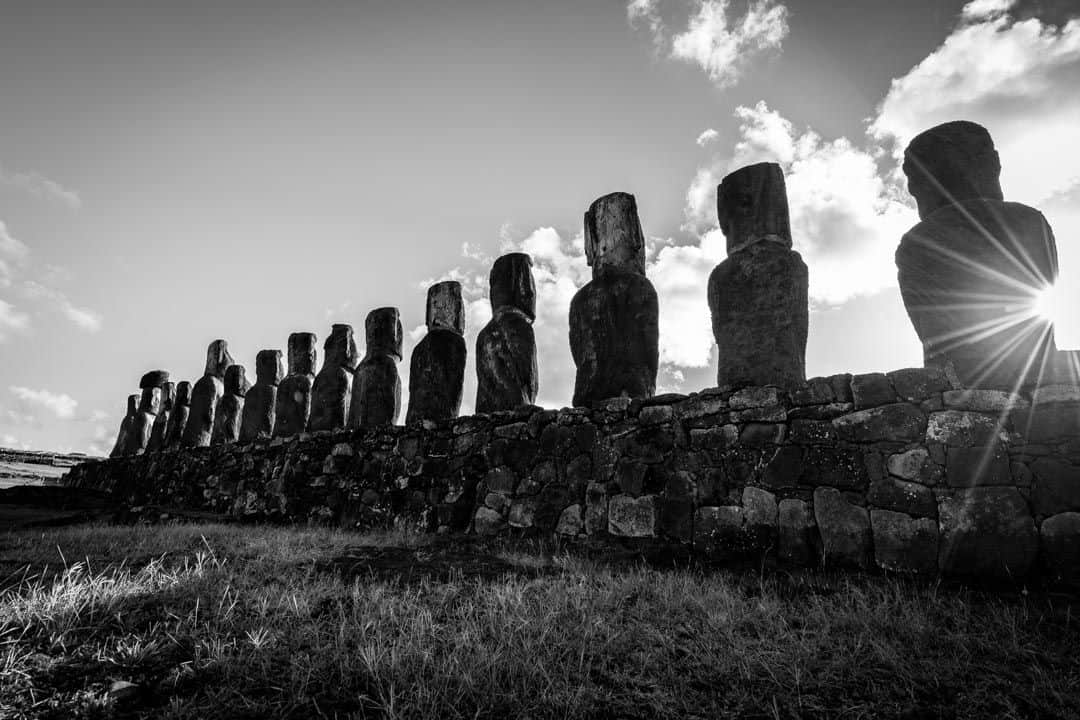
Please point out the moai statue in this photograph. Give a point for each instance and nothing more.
(970, 271)
(258, 419)
(437, 366)
(614, 331)
(178, 418)
(506, 370)
(125, 427)
(161, 422)
(230, 408)
(142, 424)
(206, 394)
(758, 294)
(376, 398)
(293, 405)
(331, 392)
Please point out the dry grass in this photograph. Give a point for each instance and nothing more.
(230, 622)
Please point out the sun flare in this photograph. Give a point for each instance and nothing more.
(1050, 304)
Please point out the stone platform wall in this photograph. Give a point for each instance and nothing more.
(900, 471)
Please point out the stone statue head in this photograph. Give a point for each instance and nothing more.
(236, 381)
(217, 358)
(752, 205)
(340, 348)
(952, 162)
(302, 353)
(512, 284)
(133, 405)
(183, 394)
(150, 400)
(154, 378)
(268, 367)
(445, 310)
(383, 331)
(613, 237)
(168, 395)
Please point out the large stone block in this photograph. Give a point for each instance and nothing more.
(845, 529)
(958, 428)
(903, 543)
(899, 422)
(986, 533)
(904, 497)
(871, 390)
(1056, 488)
(798, 536)
(917, 384)
(914, 465)
(971, 466)
(1048, 423)
(632, 517)
(1060, 539)
(719, 530)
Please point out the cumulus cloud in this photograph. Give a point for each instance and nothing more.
(41, 187)
(1018, 78)
(57, 404)
(716, 40)
(12, 255)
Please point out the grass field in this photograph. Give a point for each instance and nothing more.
(241, 622)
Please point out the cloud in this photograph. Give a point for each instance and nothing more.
(716, 41)
(706, 137)
(985, 9)
(11, 320)
(1017, 78)
(83, 318)
(41, 187)
(58, 404)
(12, 255)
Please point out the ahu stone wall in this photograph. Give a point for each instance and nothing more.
(900, 471)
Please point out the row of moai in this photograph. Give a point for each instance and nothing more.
(971, 259)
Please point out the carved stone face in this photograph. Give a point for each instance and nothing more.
(150, 401)
(236, 380)
(751, 205)
(512, 284)
(340, 347)
(613, 237)
(268, 367)
(952, 162)
(154, 378)
(133, 404)
(183, 394)
(383, 331)
(302, 353)
(444, 307)
(218, 358)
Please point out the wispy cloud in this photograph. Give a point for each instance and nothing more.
(715, 39)
(57, 404)
(707, 136)
(41, 187)
(83, 318)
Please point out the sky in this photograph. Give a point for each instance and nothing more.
(172, 173)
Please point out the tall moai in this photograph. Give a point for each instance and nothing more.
(437, 366)
(125, 427)
(759, 294)
(293, 406)
(206, 394)
(614, 319)
(376, 395)
(260, 401)
(331, 392)
(970, 270)
(506, 369)
(178, 418)
(142, 424)
(230, 408)
(161, 422)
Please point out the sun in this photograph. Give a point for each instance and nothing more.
(1049, 304)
